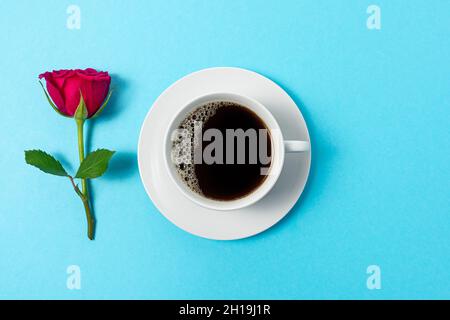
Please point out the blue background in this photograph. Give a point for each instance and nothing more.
(378, 110)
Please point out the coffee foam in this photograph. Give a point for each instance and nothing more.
(185, 143)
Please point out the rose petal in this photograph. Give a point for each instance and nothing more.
(71, 92)
(59, 77)
(45, 75)
(98, 92)
(61, 73)
(56, 96)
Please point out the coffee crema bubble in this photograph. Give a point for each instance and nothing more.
(185, 142)
(220, 179)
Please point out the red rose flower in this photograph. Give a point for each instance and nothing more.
(65, 88)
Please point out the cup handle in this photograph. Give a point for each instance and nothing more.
(292, 146)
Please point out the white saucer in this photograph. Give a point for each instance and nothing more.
(209, 223)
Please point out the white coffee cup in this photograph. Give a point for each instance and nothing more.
(279, 147)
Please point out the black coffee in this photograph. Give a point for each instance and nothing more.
(230, 151)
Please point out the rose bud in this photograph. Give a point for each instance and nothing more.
(81, 94)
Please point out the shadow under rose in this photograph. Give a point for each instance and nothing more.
(65, 163)
(116, 103)
(123, 164)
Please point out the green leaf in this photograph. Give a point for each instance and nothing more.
(45, 162)
(95, 164)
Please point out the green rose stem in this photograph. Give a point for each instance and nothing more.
(92, 166)
(84, 194)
